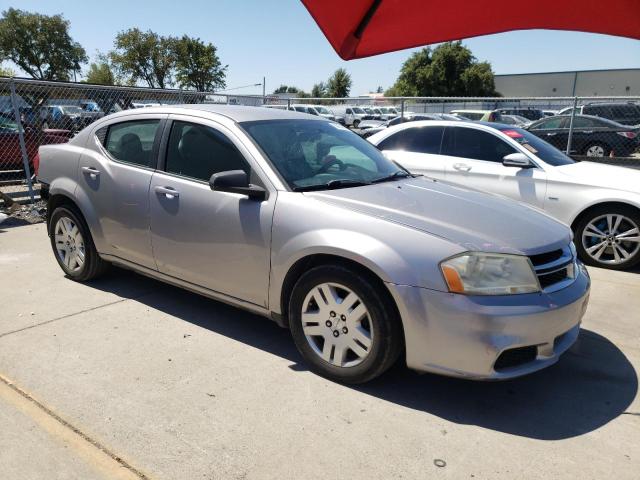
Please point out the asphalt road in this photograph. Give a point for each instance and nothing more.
(130, 378)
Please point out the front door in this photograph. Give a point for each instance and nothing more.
(474, 159)
(217, 240)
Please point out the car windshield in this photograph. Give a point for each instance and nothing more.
(358, 110)
(546, 152)
(317, 155)
(71, 109)
(323, 110)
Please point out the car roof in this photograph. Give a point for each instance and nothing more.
(581, 115)
(471, 111)
(236, 113)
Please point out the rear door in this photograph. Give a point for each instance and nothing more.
(474, 159)
(417, 149)
(115, 178)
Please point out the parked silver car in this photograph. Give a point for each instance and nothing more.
(298, 219)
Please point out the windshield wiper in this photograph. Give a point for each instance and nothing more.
(394, 176)
(331, 185)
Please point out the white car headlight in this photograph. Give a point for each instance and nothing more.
(489, 274)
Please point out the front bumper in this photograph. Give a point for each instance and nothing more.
(464, 336)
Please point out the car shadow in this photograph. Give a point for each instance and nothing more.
(592, 384)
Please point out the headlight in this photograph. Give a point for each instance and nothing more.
(489, 274)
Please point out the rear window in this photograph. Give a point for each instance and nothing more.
(546, 152)
(418, 140)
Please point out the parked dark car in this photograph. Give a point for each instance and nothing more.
(624, 113)
(66, 117)
(10, 152)
(592, 136)
(529, 113)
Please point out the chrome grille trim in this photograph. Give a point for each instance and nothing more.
(554, 269)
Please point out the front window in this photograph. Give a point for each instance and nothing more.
(198, 151)
(324, 111)
(312, 155)
(475, 144)
(541, 149)
(359, 111)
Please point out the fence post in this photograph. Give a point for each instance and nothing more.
(288, 104)
(573, 114)
(402, 108)
(23, 146)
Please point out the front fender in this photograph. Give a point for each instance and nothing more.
(395, 253)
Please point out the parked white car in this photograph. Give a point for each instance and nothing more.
(600, 202)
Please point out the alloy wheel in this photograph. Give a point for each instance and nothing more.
(595, 151)
(337, 325)
(69, 244)
(611, 239)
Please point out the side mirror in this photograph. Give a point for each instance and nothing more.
(518, 160)
(236, 181)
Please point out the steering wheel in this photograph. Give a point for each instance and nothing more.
(328, 162)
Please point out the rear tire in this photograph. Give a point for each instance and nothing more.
(361, 336)
(73, 245)
(597, 149)
(608, 236)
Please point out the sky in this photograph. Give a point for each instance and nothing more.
(278, 39)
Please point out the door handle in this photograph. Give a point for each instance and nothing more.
(94, 172)
(462, 166)
(167, 192)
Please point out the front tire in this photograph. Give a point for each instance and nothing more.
(609, 237)
(73, 246)
(346, 328)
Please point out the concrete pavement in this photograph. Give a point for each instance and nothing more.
(179, 387)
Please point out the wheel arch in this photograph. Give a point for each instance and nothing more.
(317, 259)
(594, 206)
(63, 196)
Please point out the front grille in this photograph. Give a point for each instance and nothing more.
(515, 357)
(554, 269)
(549, 279)
(543, 258)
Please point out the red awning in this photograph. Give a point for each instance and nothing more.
(361, 28)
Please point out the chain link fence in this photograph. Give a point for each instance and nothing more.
(34, 113)
(600, 129)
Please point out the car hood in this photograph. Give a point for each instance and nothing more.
(600, 175)
(474, 220)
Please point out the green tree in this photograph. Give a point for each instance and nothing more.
(448, 70)
(101, 72)
(145, 56)
(198, 65)
(339, 84)
(287, 89)
(40, 45)
(6, 72)
(319, 90)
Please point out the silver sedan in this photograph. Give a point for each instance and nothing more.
(298, 219)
